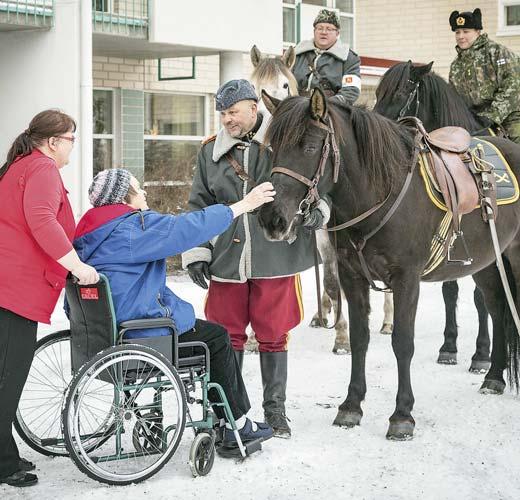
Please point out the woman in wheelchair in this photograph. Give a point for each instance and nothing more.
(129, 243)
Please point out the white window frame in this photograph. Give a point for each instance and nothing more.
(179, 138)
(502, 28)
(113, 135)
(351, 15)
(108, 7)
(292, 6)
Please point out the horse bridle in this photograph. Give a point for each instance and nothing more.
(414, 94)
(312, 195)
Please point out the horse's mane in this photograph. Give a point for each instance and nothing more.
(267, 71)
(383, 146)
(443, 100)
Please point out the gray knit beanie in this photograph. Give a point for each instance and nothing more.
(109, 187)
(233, 91)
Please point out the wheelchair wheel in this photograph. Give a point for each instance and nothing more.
(202, 454)
(145, 398)
(38, 418)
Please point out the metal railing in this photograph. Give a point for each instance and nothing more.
(120, 17)
(33, 13)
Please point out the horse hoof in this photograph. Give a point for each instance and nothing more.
(341, 349)
(400, 431)
(387, 329)
(479, 367)
(347, 419)
(492, 387)
(447, 358)
(315, 323)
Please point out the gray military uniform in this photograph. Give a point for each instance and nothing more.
(242, 252)
(338, 68)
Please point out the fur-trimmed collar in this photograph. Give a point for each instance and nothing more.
(224, 142)
(339, 50)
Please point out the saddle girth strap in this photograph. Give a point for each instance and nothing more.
(360, 245)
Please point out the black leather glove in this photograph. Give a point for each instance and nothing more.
(199, 272)
(313, 219)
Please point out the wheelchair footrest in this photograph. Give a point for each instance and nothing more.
(234, 451)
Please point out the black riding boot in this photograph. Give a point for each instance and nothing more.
(239, 356)
(274, 379)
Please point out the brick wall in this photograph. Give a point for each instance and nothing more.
(419, 29)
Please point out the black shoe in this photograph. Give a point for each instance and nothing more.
(247, 433)
(278, 421)
(20, 479)
(25, 465)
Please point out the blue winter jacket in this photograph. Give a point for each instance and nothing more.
(131, 250)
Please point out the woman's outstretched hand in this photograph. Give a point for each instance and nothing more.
(263, 193)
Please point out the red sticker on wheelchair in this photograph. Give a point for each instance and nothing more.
(89, 293)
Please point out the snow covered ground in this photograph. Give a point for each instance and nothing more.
(466, 445)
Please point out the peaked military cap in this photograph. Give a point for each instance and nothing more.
(466, 20)
(327, 16)
(232, 92)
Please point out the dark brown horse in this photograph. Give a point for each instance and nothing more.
(407, 89)
(376, 161)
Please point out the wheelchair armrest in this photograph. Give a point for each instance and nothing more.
(138, 324)
(149, 323)
(181, 345)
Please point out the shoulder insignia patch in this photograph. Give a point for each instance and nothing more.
(501, 62)
(210, 138)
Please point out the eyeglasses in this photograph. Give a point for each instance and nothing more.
(71, 139)
(325, 30)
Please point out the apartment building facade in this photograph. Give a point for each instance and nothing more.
(140, 75)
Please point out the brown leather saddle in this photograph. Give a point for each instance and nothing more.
(452, 168)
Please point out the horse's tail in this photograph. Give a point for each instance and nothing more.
(511, 333)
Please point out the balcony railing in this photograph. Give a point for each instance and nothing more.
(26, 13)
(120, 17)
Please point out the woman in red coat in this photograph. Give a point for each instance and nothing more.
(36, 253)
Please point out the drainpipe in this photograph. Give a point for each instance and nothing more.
(85, 123)
(230, 66)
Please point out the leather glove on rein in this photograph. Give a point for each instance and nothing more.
(199, 273)
(317, 217)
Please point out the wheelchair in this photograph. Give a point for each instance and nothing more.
(119, 407)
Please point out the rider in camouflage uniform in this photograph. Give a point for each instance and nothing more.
(486, 73)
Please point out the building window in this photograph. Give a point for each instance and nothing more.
(289, 22)
(346, 19)
(103, 118)
(321, 3)
(512, 15)
(508, 17)
(174, 125)
(102, 5)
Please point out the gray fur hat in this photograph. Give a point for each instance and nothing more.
(109, 187)
(327, 16)
(232, 92)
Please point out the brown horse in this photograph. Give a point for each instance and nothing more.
(359, 158)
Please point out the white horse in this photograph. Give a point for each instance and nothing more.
(274, 75)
